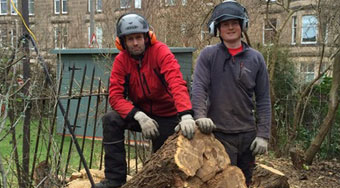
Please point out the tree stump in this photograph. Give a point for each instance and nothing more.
(268, 177)
(297, 157)
(201, 162)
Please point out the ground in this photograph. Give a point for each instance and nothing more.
(322, 174)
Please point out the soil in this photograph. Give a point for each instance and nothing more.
(321, 174)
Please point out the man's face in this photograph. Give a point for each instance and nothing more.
(230, 31)
(135, 43)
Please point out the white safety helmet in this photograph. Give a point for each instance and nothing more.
(131, 23)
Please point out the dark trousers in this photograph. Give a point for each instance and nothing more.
(238, 149)
(113, 141)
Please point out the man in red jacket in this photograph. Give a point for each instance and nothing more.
(147, 94)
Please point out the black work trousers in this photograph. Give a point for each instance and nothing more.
(113, 141)
(237, 146)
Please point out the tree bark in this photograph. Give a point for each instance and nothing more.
(332, 108)
(3, 174)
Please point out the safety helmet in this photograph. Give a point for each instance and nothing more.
(131, 23)
(228, 10)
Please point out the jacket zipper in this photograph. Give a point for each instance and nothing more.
(141, 82)
(146, 84)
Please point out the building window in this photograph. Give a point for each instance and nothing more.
(170, 2)
(3, 7)
(98, 5)
(14, 38)
(13, 12)
(307, 71)
(138, 3)
(97, 39)
(31, 7)
(3, 36)
(60, 5)
(64, 6)
(125, 4)
(269, 31)
(60, 37)
(309, 29)
(294, 27)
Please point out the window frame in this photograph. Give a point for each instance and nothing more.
(31, 4)
(126, 6)
(101, 8)
(62, 36)
(99, 36)
(308, 26)
(12, 11)
(3, 36)
(294, 30)
(97, 10)
(268, 29)
(62, 4)
(308, 75)
(14, 37)
(3, 3)
(140, 4)
(170, 2)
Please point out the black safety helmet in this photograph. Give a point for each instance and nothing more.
(228, 10)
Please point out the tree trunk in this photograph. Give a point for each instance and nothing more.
(332, 108)
(200, 162)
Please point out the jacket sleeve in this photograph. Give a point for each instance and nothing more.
(201, 84)
(263, 104)
(170, 68)
(116, 90)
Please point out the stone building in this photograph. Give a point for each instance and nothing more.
(66, 24)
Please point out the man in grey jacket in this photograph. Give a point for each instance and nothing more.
(230, 91)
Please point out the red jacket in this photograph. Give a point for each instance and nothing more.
(155, 85)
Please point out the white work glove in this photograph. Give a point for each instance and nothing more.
(187, 126)
(206, 125)
(149, 126)
(259, 146)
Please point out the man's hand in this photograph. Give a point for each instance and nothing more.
(206, 125)
(259, 146)
(187, 126)
(149, 126)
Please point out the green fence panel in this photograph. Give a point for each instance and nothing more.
(101, 60)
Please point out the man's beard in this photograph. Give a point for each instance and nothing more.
(136, 52)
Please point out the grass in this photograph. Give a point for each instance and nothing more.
(6, 150)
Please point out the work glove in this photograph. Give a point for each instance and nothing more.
(259, 146)
(206, 125)
(149, 126)
(187, 126)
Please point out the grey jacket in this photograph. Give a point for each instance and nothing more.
(227, 89)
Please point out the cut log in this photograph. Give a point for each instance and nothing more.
(268, 177)
(201, 162)
(180, 163)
